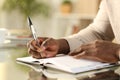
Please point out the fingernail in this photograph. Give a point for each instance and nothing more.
(41, 49)
(75, 57)
(70, 53)
(78, 50)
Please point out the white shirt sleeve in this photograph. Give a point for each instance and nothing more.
(99, 29)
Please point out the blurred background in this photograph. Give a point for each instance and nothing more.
(54, 18)
(51, 18)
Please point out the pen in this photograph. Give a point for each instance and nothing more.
(33, 32)
(32, 28)
(35, 37)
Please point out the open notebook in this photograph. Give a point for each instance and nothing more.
(66, 63)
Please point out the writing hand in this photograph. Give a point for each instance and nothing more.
(43, 47)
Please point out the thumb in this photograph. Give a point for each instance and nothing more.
(80, 55)
(75, 52)
(46, 42)
(41, 49)
(44, 45)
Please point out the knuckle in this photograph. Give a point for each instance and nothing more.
(85, 52)
(96, 42)
(40, 39)
(49, 40)
(95, 46)
(34, 56)
(30, 51)
(32, 42)
(82, 47)
(97, 51)
(29, 42)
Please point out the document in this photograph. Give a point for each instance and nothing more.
(66, 63)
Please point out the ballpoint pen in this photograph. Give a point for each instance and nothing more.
(33, 33)
(35, 37)
(32, 28)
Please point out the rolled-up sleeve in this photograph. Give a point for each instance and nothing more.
(99, 29)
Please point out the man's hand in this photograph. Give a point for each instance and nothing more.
(43, 47)
(103, 51)
(47, 47)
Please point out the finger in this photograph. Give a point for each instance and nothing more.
(92, 58)
(75, 52)
(89, 52)
(43, 54)
(40, 40)
(94, 44)
(80, 49)
(86, 46)
(34, 54)
(33, 46)
(43, 45)
(29, 51)
(50, 53)
(84, 56)
(37, 54)
(99, 56)
(80, 55)
(46, 42)
(28, 44)
(108, 59)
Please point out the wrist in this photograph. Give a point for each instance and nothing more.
(63, 46)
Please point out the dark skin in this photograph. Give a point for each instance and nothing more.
(50, 48)
(103, 51)
(100, 50)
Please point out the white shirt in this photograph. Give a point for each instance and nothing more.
(106, 26)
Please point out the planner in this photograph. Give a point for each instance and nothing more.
(66, 63)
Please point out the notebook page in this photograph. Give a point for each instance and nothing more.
(71, 62)
(29, 59)
(68, 63)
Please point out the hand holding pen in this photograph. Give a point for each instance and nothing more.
(41, 47)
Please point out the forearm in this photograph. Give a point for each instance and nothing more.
(100, 29)
(63, 46)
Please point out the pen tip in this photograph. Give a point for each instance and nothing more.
(29, 20)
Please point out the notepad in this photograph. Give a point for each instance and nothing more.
(66, 63)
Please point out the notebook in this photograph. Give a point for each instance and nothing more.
(66, 63)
